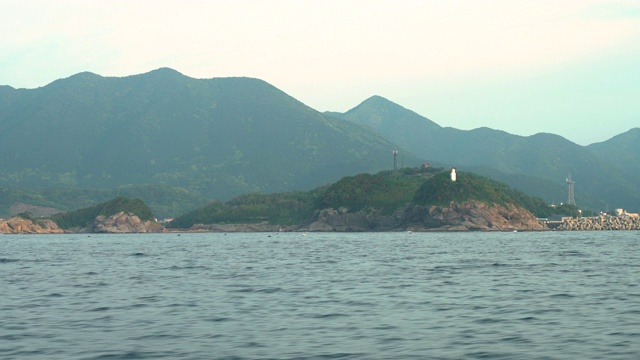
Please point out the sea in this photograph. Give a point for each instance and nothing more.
(469, 295)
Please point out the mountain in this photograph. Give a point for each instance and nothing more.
(522, 162)
(383, 116)
(172, 140)
(621, 151)
(214, 137)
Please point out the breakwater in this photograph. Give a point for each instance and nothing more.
(603, 222)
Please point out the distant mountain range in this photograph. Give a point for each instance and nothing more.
(216, 137)
(605, 173)
(170, 134)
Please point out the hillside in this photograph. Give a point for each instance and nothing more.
(120, 211)
(166, 202)
(82, 217)
(621, 151)
(216, 138)
(385, 191)
(602, 179)
(119, 215)
(439, 190)
(386, 117)
(381, 202)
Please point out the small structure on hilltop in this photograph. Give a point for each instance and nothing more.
(453, 174)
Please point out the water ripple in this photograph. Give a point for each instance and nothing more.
(324, 296)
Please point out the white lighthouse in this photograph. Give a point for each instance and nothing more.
(453, 174)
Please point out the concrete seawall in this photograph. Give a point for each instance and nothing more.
(604, 222)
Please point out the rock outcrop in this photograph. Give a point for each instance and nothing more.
(122, 222)
(603, 222)
(118, 223)
(470, 215)
(341, 220)
(19, 225)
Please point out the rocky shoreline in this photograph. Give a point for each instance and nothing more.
(18, 225)
(118, 223)
(467, 216)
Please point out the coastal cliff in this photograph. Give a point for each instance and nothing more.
(118, 223)
(122, 222)
(470, 215)
(19, 225)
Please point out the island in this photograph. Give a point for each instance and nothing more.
(411, 199)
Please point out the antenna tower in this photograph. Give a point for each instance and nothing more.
(395, 160)
(570, 182)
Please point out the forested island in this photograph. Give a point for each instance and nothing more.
(409, 199)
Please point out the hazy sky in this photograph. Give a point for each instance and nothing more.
(569, 67)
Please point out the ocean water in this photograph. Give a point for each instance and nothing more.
(525, 295)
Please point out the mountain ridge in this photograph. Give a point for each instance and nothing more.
(543, 155)
(222, 137)
(216, 137)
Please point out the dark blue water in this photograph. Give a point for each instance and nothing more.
(554, 295)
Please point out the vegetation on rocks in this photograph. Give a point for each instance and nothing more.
(376, 201)
(278, 208)
(83, 217)
(386, 191)
(24, 225)
(440, 190)
(422, 199)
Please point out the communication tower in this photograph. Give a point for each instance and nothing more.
(570, 182)
(395, 160)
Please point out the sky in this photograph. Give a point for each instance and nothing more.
(567, 67)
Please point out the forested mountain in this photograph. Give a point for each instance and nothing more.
(622, 151)
(605, 173)
(177, 142)
(384, 117)
(216, 137)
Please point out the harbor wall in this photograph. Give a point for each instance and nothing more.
(603, 222)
